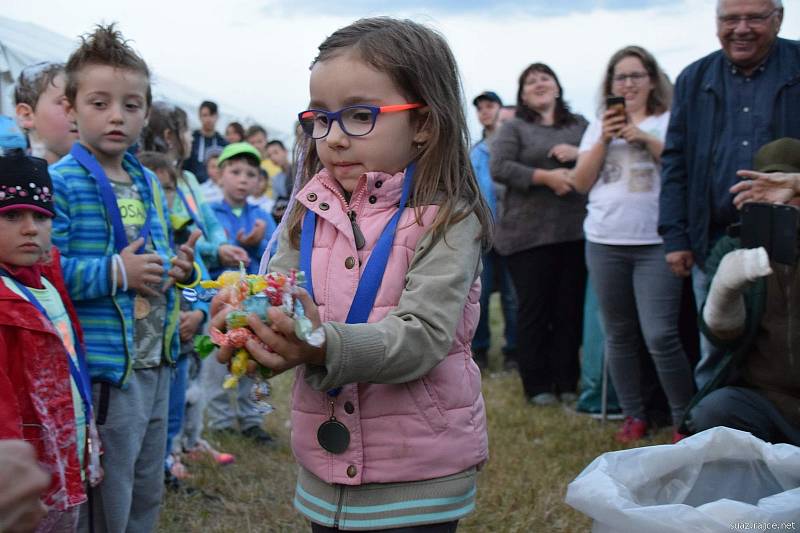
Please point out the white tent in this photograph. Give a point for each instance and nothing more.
(23, 44)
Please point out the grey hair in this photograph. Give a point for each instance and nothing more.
(777, 4)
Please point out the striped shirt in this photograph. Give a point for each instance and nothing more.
(385, 505)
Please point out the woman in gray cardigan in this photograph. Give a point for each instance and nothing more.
(541, 233)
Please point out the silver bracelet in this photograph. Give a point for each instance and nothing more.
(113, 263)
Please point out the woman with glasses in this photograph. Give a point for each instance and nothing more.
(619, 165)
(540, 233)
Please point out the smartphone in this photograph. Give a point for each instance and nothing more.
(616, 102)
(776, 227)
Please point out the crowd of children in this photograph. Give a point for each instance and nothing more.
(382, 212)
(98, 248)
(133, 210)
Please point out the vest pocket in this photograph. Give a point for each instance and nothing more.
(427, 402)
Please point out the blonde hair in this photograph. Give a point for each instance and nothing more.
(420, 63)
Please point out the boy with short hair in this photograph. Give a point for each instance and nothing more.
(119, 274)
(250, 227)
(257, 136)
(211, 191)
(246, 225)
(39, 99)
(204, 139)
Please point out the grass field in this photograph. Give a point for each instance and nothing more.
(534, 453)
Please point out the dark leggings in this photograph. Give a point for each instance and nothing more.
(444, 527)
(550, 282)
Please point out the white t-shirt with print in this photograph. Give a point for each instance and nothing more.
(623, 202)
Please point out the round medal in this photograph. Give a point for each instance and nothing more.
(333, 436)
(141, 307)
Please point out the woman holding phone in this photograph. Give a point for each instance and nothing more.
(540, 233)
(619, 165)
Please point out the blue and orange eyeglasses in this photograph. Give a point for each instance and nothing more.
(355, 120)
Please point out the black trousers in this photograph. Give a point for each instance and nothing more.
(445, 527)
(550, 282)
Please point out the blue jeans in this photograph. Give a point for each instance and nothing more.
(710, 355)
(177, 399)
(495, 276)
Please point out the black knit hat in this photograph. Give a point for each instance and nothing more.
(25, 183)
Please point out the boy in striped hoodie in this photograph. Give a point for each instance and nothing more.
(112, 228)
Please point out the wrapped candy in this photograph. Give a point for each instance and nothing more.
(253, 294)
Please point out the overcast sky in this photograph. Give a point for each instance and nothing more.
(255, 55)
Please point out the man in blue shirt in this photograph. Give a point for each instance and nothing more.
(495, 274)
(726, 106)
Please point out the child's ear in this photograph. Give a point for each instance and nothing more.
(423, 129)
(25, 116)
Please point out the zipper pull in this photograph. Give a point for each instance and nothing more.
(357, 235)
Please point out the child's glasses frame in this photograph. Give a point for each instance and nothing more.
(354, 120)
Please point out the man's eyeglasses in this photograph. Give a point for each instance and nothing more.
(731, 21)
(635, 77)
(355, 120)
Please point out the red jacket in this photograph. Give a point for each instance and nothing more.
(35, 389)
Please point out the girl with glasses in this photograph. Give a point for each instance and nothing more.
(388, 225)
(619, 165)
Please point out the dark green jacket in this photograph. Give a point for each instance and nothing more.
(736, 349)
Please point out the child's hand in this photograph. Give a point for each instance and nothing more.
(287, 351)
(143, 270)
(230, 255)
(254, 237)
(183, 263)
(190, 323)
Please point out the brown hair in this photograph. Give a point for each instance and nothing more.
(660, 97)
(254, 130)
(33, 81)
(562, 115)
(156, 161)
(238, 128)
(421, 65)
(105, 46)
(165, 116)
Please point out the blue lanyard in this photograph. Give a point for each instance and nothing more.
(79, 372)
(87, 161)
(371, 279)
(192, 213)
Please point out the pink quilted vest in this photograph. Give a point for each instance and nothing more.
(428, 428)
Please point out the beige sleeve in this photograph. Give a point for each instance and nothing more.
(418, 333)
(286, 257)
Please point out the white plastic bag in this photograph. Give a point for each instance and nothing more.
(718, 480)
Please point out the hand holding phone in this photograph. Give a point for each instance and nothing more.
(614, 119)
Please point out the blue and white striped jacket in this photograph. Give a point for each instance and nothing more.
(82, 231)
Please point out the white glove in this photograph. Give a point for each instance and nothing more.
(724, 312)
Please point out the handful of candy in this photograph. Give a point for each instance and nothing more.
(253, 294)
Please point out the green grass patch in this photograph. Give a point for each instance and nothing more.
(534, 453)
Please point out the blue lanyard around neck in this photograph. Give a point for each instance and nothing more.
(88, 161)
(371, 279)
(79, 372)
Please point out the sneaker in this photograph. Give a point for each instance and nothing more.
(677, 436)
(176, 468)
(258, 434)
(633, 429)
(543, 399)
(568, 397)
(204, 448)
